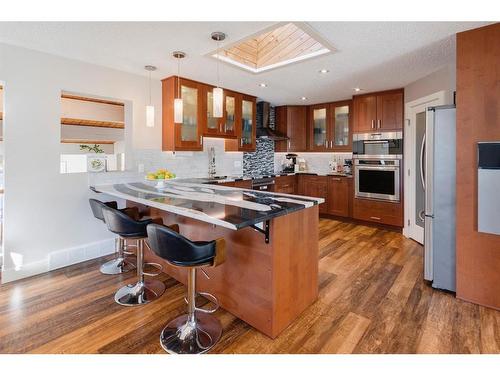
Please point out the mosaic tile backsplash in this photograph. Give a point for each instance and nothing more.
(260, 162)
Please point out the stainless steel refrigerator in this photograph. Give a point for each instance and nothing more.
(440, 194)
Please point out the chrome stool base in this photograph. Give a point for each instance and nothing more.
(184, 336)
(140, 293)
(117, 266)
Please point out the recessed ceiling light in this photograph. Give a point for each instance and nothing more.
(324, 71)
(357, 89)
(303, 98)
(263, 84)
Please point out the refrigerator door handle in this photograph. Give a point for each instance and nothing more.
(422, 163)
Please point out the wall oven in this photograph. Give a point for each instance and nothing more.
(377, 178)
(388, 144)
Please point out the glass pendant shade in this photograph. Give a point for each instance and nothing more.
(218, 94)
(150, 116)
(178, 111)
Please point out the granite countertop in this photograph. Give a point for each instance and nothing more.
(229, 207)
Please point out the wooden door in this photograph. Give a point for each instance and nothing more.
(338, 196)
(248, 124)
(365, 113)
(317, 186)
(296, 128)
(390, 111)
(319, 127)
(188, 133)
(212, 126)
(232, 114)
(341, 126)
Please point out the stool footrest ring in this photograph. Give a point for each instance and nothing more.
(212, 299)
(155, 265)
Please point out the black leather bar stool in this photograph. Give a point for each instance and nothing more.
(144, 291)
(120, 264)
(197, 331)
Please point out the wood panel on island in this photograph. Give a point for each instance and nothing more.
(237, 125)
(379, 111)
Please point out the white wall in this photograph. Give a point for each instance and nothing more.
(47, 217)
(443, 79)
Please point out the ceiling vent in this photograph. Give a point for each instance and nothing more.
(274, 47)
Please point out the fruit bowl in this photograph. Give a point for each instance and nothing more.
(160, 176)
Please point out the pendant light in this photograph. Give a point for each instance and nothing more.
(150, 109)
(178, 104)
(218, 93)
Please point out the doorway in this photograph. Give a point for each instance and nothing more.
(415, 164)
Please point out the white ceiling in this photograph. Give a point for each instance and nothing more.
(370, 55)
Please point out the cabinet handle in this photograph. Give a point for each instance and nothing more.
(373, 124)
(201, 140)
(379, 124)
(336, 179)
(374, 218)
(241, 142)
(331, 144)
(289, 145)
(326, 143)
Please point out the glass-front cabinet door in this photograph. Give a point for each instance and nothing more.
(188, 135)
(212, 125)
(230, 119)
(341, 126)
(248, 130)
(319, 125)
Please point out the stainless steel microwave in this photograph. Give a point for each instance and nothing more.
(388, 145)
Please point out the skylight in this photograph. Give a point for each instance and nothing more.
(280, 45)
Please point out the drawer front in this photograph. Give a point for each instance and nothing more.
(286, 184)
(378, 212)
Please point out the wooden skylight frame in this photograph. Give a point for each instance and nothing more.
(276, 46)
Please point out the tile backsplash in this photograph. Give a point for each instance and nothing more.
(260, 162)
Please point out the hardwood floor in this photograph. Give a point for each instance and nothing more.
(372, 300)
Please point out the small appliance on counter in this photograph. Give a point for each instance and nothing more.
(347, 166)
(290, 163)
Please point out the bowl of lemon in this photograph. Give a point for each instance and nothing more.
(160, 176)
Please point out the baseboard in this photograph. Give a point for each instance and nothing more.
(59, 259)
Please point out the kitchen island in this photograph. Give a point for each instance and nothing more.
(271, 270)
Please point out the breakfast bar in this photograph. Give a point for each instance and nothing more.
(270, 275)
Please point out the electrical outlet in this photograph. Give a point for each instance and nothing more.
(140, 168)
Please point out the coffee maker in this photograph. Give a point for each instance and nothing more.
(290, 162)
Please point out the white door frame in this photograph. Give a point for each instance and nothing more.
(411, 229)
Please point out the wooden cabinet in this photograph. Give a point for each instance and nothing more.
(341, 126)
(378, 211)
(315, 186)
(319, 127)
(338, 197)
(381, 111)
(237, 123)
(330, 127)
(390, 111)
(286, 184)
(186, 135)
(292, 122)
(242, 184)
(246, 127)
(225, 126)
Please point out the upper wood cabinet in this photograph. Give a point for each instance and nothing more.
(224, 126)
(186, 135)
(246, 128)
(381, 111)
(237, 123)
(330, 126)
(292, 122)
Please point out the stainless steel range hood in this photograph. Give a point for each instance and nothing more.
(263, 129)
